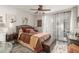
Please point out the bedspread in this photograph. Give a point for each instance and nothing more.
(37, 39)
(34, 40)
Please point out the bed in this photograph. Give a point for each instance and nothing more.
(32, 39)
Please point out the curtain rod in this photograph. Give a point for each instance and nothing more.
(58, 12)
(62, 11)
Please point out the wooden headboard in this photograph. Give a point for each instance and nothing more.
(25, 27)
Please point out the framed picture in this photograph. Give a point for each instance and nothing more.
(39, 23)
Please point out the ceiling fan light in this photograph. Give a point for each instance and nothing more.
(40, 12)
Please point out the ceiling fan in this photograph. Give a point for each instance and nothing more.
(40, 8)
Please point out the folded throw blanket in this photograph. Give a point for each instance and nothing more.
(37, 39)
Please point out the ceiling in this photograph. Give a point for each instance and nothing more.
(53, 8)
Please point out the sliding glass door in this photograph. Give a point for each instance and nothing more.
(58, 25)
(63, 25)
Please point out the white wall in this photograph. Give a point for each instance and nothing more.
(78, 10)
(19, 14)
(73, 22)
(38, 17)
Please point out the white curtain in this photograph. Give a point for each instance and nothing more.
(54, 24)
(63, 25)
(47, 24)
(73, 21)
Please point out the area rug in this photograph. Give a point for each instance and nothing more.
(17, 48)
(60, 47)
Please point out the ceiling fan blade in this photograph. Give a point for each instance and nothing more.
(39, 13)
(34, 9)
(35, 12)
(45, 10)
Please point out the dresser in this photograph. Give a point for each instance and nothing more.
(5, 47)
(73, 39)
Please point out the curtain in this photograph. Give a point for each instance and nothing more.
(47, 24)
(63, 25)
(73, 26)
(57, 24)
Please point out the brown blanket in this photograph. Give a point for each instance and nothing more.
(36, 43)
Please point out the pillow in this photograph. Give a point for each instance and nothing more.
(23, 29)
(29, 30)
(20, 32)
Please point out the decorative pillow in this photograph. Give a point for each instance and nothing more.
(20, 32)
(27, 31)
(24, 29)
(31, 30)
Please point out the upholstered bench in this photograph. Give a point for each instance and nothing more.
(73, 48)
(48, 45)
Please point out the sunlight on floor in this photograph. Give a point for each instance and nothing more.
(60, 47)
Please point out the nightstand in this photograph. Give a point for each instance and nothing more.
(10, 37)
